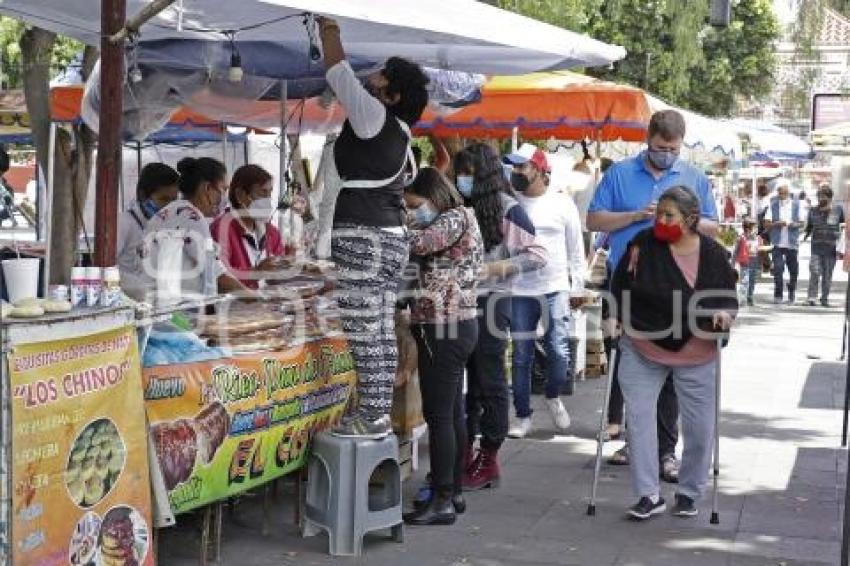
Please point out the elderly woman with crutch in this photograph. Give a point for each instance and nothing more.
(674, 291)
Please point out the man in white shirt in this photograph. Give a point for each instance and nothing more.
(784, 220)
(544, 295)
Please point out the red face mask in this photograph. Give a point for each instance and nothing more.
(668, 233)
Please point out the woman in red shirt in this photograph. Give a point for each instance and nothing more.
(250, 243)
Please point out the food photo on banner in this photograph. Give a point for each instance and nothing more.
(221, 427)
(80, 473)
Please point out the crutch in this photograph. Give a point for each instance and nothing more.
(602, 436)
(715, 516)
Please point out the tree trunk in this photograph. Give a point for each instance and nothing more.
(73, 155)
(36, 48)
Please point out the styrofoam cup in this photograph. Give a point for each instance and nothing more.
(21, 277)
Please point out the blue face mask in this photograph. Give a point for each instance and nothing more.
(424, 215)
(662, 160)
(464, 185)
(149, 208)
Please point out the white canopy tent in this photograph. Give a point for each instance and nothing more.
(463, 35)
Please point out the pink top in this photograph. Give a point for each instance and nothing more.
(696, 351)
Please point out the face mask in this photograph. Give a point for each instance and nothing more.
(424, 215)
(662, 160)
(520, 182)
(261, 210)
(149, 208)
(464, 185)
(668, 233)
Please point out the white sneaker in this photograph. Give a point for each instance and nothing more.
(521, 428)
(559, 414)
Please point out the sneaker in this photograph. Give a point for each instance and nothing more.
(559, 414)
(669, 469)
(361, 427)
(521, 428)
(685, 506)
(620, 457)
(645, 508)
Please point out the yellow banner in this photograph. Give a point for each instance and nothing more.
(81, 491)
(224, 426)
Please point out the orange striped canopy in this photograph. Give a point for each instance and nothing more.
(559, 104)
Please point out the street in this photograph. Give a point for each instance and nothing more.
(782, 475)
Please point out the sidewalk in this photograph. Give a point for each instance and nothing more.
(781, 477)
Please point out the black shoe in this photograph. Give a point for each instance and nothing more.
(361, 427)
(425, 494)
(750, 301)
(645, 508)
(441, 511)
(810, 302)
(824, 303)
(685, 506)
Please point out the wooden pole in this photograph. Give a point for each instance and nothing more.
(112, 16)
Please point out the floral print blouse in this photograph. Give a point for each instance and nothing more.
(449, 253)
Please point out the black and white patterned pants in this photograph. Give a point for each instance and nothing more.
(370, 262)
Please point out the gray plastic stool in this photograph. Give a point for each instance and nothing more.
(340, 499)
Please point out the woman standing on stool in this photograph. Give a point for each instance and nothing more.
(673, 288)
(443, 322)
(372, 157)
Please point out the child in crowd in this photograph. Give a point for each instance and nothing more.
(747, 257)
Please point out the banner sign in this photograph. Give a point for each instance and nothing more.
(80, 473)
(225, 426)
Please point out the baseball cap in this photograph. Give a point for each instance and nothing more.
(528, 152)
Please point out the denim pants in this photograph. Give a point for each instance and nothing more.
(752, 272)
(553, 311)
(821, 267)
(641, 381)
(781, 258)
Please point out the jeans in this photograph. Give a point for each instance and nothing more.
(553, 310)
(642, 381)
(821, 268)
(443, 352)
(487, 400)
(781, 257)
(752, 272)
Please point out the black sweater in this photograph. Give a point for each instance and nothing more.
(656, 278)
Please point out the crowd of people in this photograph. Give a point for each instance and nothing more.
(499, 255)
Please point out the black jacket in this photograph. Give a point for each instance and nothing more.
(651, 288)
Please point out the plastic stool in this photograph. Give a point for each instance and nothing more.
(340, 499)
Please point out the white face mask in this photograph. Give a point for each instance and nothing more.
(261, 210)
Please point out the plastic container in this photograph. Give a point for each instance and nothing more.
(111, 294)
(57, 292)
(78, 287)
(21, 276)
(94, 286)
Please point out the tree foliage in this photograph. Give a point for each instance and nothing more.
(672, 52)
(62, 53)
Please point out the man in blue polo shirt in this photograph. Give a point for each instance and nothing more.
(623, 205)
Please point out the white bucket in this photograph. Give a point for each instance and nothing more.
(21, 277)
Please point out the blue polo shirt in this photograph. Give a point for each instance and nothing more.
(629, 186)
